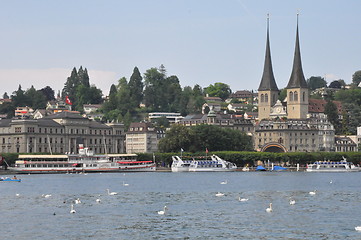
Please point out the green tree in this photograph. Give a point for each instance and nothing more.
(332, 115)
(221, 90)
(48, 92)
(36, 99)
(316, 82)
(356, 78)
(19, 99)
(283, 94)
(136, 88)
(201, 137)
(123, 95)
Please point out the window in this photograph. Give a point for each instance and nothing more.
(18, 129)
(295, 96)
(262, 98)
(266, 97)
(303, 96)
(291, 96)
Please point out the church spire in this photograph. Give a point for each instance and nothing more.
(268, 81)
(297, 79)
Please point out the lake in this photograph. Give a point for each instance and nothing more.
(194, 210)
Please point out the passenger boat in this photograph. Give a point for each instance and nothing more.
(7, 179)
(180, 165)
(329, 166)
(85, 161)
(213, 164)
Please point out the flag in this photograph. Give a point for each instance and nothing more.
(67, 101)
(206, 150)
(182, 150)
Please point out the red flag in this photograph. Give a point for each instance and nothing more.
(206, 150)
(67, 101)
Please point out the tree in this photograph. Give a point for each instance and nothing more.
(36, 99)
(135, 88)
(316, 82)
(283, 94)
(221, 90)
(123, 96)
(19, 99)
(48, 92)
(332, 115)
(335, 84)
(356, 78)
(201, 137)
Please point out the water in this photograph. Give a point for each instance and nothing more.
(194, 212)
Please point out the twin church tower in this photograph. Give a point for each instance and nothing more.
(297, 89)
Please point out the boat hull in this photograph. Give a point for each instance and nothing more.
(10, 180)
(332, 170)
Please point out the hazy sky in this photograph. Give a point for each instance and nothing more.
(200, 41)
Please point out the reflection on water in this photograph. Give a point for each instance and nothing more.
(194, 212)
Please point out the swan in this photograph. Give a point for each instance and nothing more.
(331, 182)
(18, 195)
(242, 199)
(46, 195)
(98, 200)
(219, 194)
(111, 193)
(77, 201)
(164, 211)
(292, 202)
(72, 210)
(125, 184)
(312, 193)
(224, 182)
(269, 209)
(358, 228)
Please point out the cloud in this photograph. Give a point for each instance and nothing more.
(53, 77)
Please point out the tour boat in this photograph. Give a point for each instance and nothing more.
(85, 161)
(180, 165)
(203, 164)
(329, 166)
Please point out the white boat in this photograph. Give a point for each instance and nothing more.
(215, 164)
(85, 161)
(180, 165)
(329, 166)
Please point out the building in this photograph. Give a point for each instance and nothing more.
(230, 121)
(345, 144)
(284, 127)
(171, 117)
(21, 112)
(143, 138)
(60, 133)
(91, 108)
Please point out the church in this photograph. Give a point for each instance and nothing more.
(287, 126)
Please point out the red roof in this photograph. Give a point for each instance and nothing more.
(318, 105)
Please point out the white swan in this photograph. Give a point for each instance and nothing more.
(164, 211)
(125, 184)
(46, 195)
(77, 201)
(224, 182)
(269, 209)
(292, 202)
(111, 193)
(312, 192)
(98, 200)
(242, 199)
(358, 228)
(18, 195)
(331, 182)
(219, 194)
(72, 210)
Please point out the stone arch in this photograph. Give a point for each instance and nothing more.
(290, 96)
(273, 147)
(295, 96)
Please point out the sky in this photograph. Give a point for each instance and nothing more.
(200, 41)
